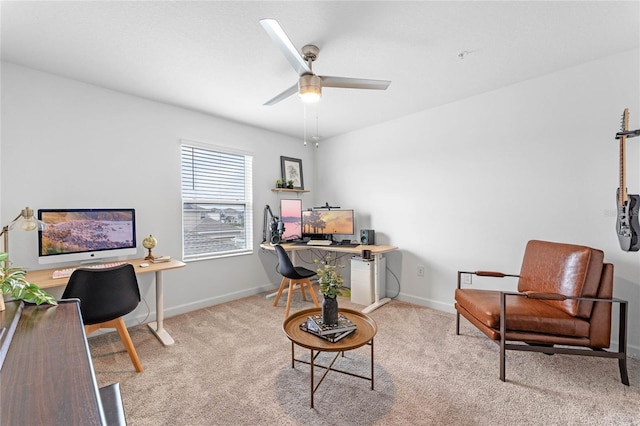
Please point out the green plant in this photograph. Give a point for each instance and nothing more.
(14, 282)
(279, 183)
(290, 183)
(330, 280)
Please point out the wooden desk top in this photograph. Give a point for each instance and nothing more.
(337, 248)
(366, 330)
(47, 375)
(43, 277)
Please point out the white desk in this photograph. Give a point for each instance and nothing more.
(43, 279)
(376, 251)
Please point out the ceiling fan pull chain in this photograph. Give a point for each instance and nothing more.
(304, 124)
(317, 134)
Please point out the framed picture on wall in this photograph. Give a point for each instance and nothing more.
(292, 170)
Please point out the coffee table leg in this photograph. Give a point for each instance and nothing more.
(371, 364)
(311, 365)
(293, 359)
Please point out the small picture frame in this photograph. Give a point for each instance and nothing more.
(292, 170)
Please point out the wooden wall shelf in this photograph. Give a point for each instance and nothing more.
(288, 190)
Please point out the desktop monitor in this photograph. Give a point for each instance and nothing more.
(83, 235)
(324, 223)
(291, 216)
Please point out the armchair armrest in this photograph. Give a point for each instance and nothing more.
(483, 274)
(493, 274)
(556, 296)
(545, 296)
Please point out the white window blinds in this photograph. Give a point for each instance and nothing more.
(217, 203)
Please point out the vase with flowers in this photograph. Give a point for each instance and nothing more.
(330, 282)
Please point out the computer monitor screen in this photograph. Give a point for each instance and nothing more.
(291, 216)
(327, 222)
(86, 234)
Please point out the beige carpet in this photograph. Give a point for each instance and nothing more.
(231, 365)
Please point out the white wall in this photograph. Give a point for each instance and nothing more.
(464, 186)
(67, 144)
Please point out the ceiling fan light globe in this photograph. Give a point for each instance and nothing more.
(310, 88)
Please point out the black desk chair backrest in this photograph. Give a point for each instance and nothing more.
(286, 269)
(293, 275)
(106, 295)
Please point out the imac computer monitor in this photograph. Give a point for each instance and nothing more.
(84, 235)
(291, 216)
(323, 223)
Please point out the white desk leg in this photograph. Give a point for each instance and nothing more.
(377, 258)
(157, 326)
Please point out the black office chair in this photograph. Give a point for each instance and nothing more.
(293, 275)
(106, 295)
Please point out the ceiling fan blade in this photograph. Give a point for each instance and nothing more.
(280, 38)
(354, 83)
(282, 96)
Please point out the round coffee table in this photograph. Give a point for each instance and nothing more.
(363, 335)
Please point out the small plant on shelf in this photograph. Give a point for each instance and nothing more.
(279, 183)
(290, 184)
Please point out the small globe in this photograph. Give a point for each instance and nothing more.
(149, 242)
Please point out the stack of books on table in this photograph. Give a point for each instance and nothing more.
(331, 333)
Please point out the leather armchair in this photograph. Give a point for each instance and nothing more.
(564, 297)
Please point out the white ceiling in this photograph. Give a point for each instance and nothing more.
(214, 57)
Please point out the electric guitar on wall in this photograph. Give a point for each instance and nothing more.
(628, 205)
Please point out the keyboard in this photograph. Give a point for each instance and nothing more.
(66, 273)
(319, 242)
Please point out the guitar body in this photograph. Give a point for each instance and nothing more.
(627, 224)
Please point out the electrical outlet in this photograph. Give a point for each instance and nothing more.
(420, 271)
(466, 279)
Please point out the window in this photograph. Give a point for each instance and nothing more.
(217, 211)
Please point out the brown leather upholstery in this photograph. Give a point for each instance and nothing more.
(565, 269)
(523, 314)
(545, 310)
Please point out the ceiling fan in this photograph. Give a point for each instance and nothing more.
(310, 85)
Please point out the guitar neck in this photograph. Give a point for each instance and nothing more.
(623, 179)
(623, 142)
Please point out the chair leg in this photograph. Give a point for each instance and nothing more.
(304, 295)
(624, 376)
(313, 294)
(128, 344)
(622, 344)
(121, 328)
(289, 293)
(280, 290)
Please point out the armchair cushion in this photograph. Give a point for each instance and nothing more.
(523, 313)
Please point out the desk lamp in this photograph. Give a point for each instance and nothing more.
(27, 223)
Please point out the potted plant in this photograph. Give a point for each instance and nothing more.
(290, 184)
(279, 183)
(14, 283)
(330, 282)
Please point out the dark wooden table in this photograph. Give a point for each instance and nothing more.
(47, 376)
